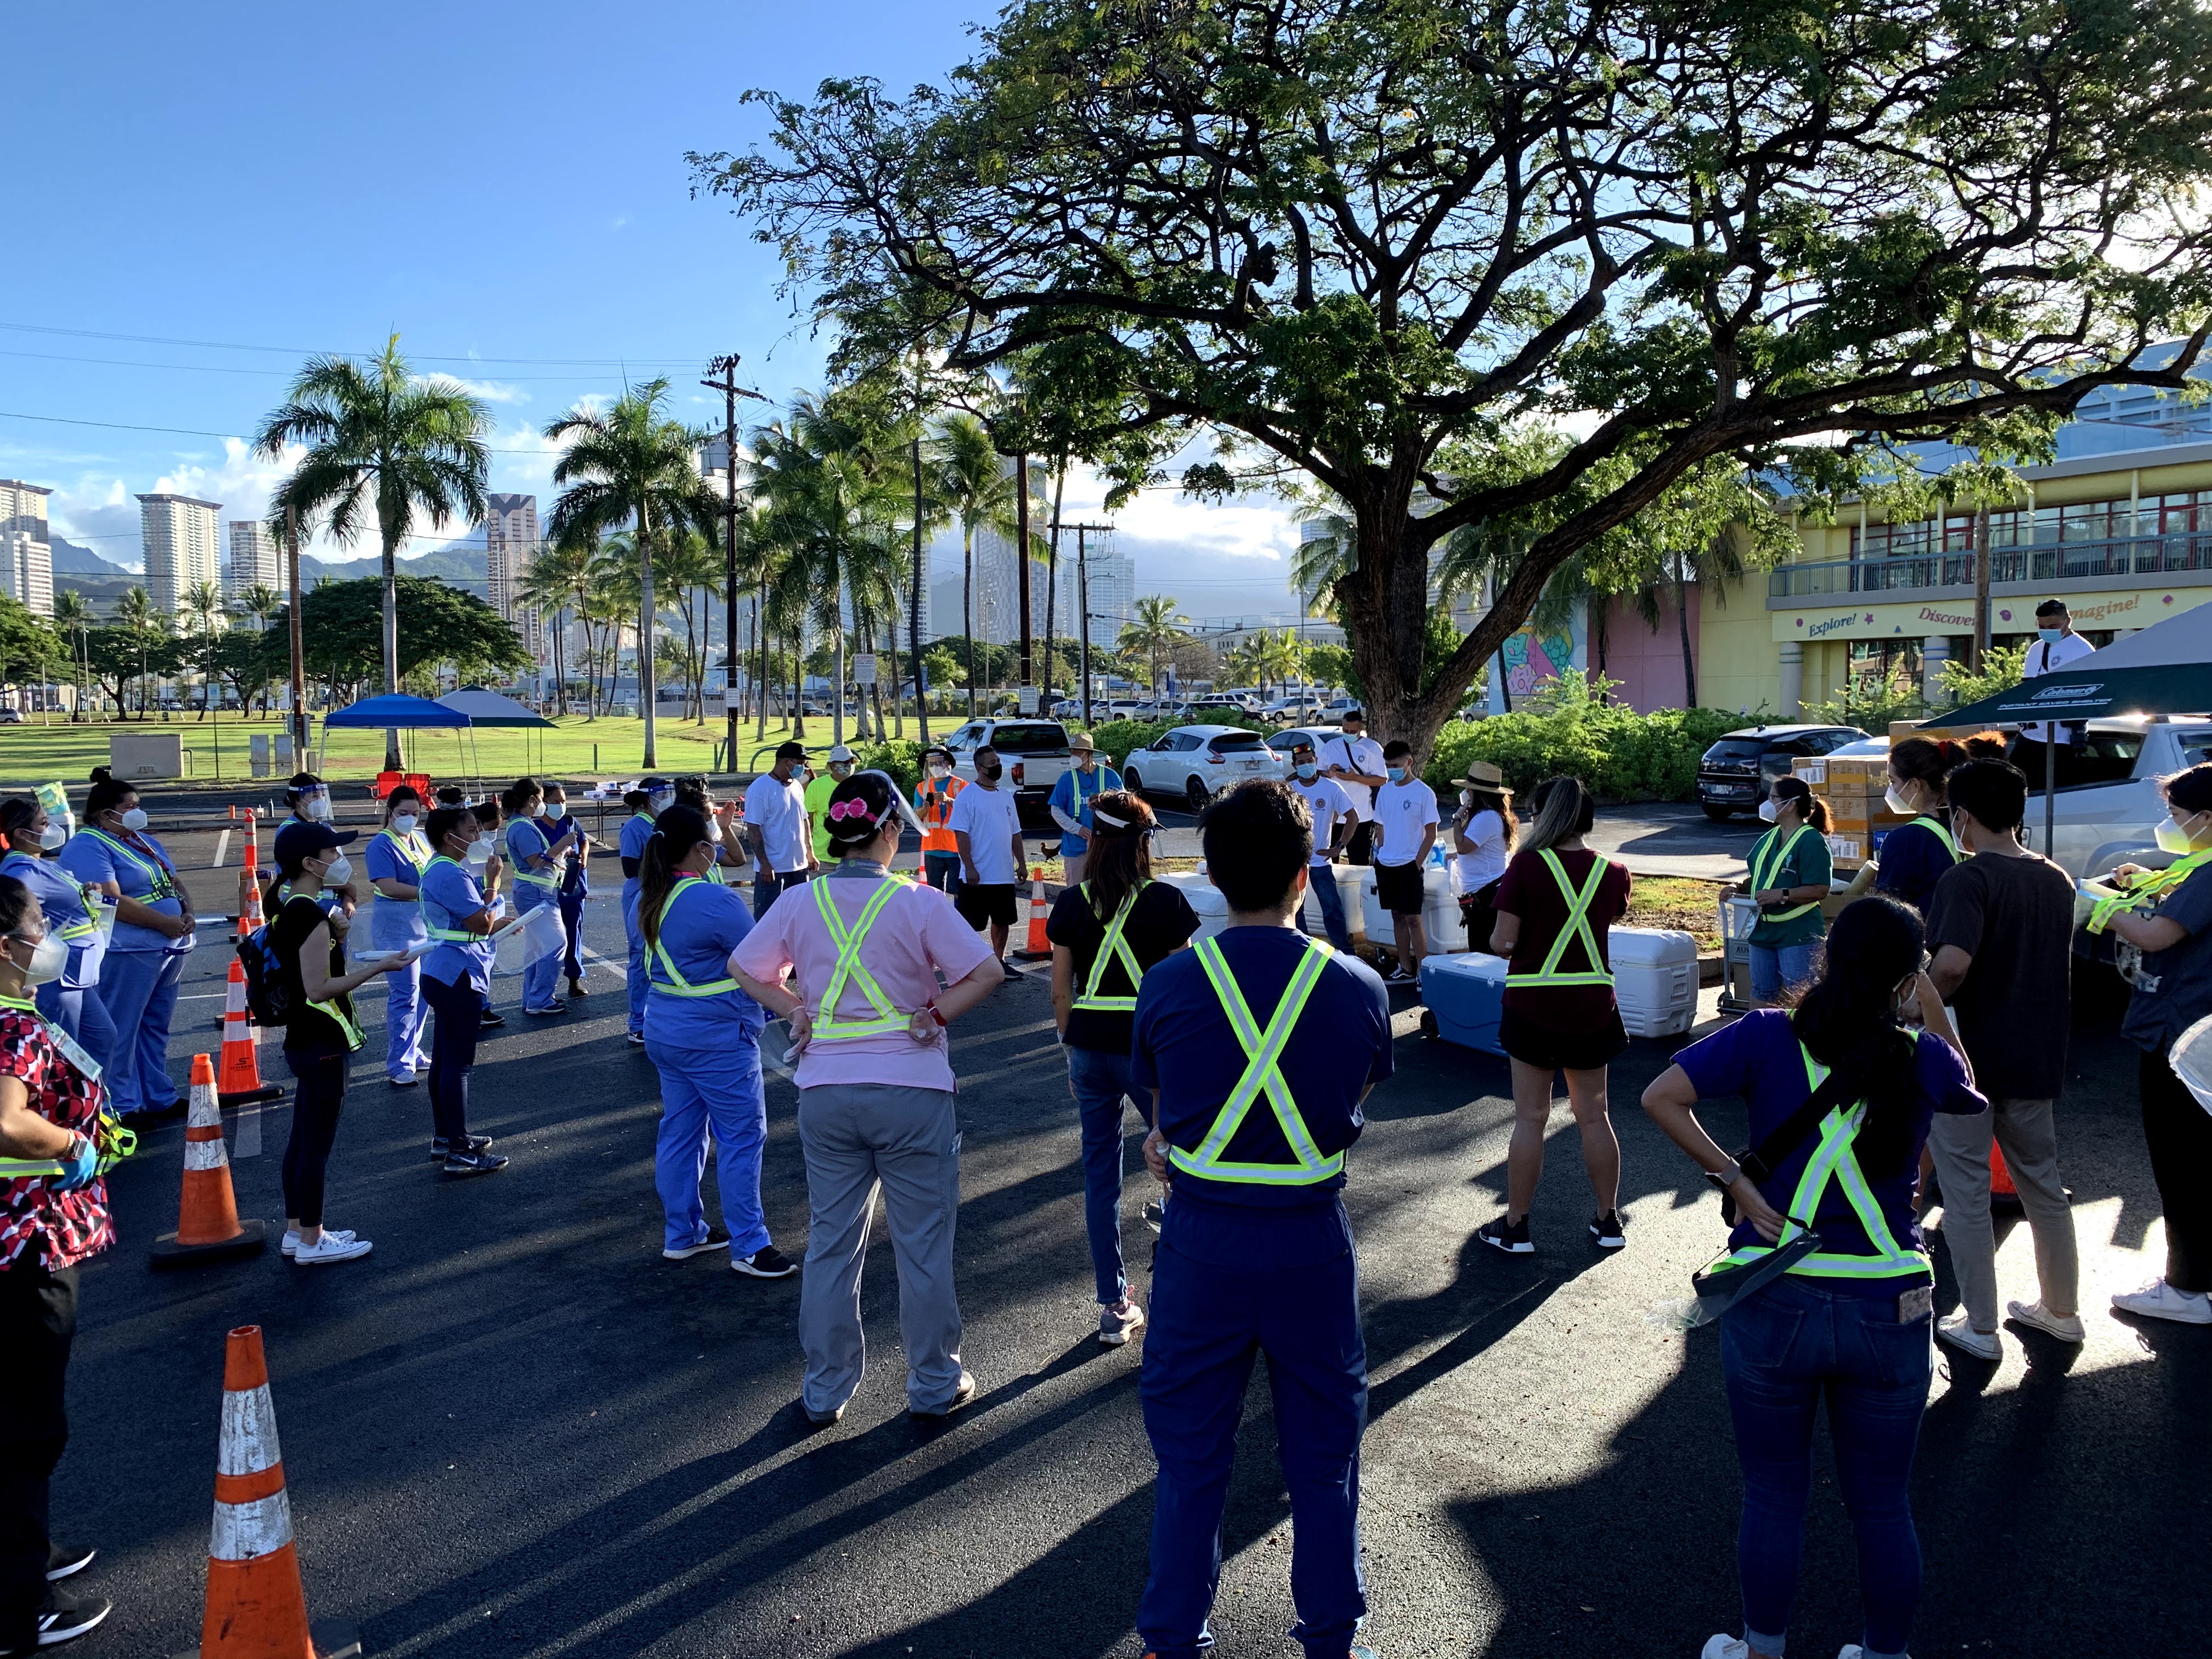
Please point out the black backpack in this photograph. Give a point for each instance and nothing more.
(267, 997)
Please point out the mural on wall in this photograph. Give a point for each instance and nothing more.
(1531, 658)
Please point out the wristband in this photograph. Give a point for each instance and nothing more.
(936, 1015)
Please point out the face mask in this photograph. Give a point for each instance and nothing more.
(1897, 802)
(480, 850)
(48, 957)
(314, 806)
(989, 773)
(1308, 771)
(2173, 838)
(557, 810)
(339, 873)
(1397, 774)
(841, 772)
(403, 823)
(2050, 635)
(713, 831)
(937, 769)
(1767, 809)
(135, 819)
(1466, 798)
(53, 836)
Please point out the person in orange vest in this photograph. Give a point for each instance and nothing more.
(932, 800)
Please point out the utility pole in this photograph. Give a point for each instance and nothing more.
(299, 653)
(1083, 607)
(914, 606)
(1981, 587)
(726, 367)
(1027, 680)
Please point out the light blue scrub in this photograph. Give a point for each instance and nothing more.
(635, 834)
(72, 1001)
(707, 1049)
(537, 885)
(396, 925)
(138, 978)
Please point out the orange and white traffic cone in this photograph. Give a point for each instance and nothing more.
(240, 1081)
(207, 1227)
(256, 1608)
(249, 882)
(1038, 945)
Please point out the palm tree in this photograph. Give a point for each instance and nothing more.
(73, 614)
(203, 602)
(262, 604)
(378, 436)
(631, 464)
(551, 585)
(615, 585)
(693, 570)
(975, 486)
(1155, 626)
(135, 613)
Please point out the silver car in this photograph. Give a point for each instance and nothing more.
(1197, 763)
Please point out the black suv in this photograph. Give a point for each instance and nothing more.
(1735, 775)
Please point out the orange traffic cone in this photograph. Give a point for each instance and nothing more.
(1038, 945)
(249, 882)
(2003, 1195)
(240, 1084)
(207, 1227)
(256, 1608)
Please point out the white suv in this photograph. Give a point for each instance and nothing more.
(1197, 763)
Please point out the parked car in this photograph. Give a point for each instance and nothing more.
(1236, 702)
(1197, 763)
(1336, 708)
(1283, 741)
(1034, 752)
(1069, 709)
(1286, 711)
(1735, 775)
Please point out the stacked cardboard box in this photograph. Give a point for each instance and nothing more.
(1853, 786)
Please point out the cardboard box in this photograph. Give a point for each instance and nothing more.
(1815, 773)
(1856, 816)
(1847, 852)
(1858, 772)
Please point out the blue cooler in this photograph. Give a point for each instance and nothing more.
(1466, 994)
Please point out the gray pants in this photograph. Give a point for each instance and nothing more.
(2025, 1132)
(858, 1137)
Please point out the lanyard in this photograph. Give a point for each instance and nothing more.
(158, 874)
(87, 1066)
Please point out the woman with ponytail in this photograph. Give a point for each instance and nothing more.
(1106, 934)
(1914, 856)
(1790, 873)
(702, 1035)
(852, 960)
(1851, 1320)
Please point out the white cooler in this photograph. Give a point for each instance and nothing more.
(1350, 889)
(1439, 910)
(1205, 898)
(1654, 979)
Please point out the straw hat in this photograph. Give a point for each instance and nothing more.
(1081, 740)
(1481, 774)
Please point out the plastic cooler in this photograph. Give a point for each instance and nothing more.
(1205, 898)
(1465, 994)
(1654, 979)
(1439, 911)
(1349, 889)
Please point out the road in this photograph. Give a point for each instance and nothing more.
(515, 1430)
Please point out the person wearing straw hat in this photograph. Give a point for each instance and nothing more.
(1484, 832)
(1072, 795)
(853, 963)
(53, 1216)
(1335, 817)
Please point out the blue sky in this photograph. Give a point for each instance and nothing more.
(504, 184)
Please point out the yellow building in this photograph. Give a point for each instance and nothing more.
(2124, 537)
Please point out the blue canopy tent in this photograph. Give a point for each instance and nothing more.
(397, 711)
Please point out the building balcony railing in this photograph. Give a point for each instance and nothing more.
(2142, 555)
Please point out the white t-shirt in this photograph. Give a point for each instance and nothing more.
(1402, 811)
(2042, 659)
(991, 820)
(778, 810)
(1355, 755)
(1478, 869)
(1327, 800)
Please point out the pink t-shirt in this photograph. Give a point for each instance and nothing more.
(916, 935)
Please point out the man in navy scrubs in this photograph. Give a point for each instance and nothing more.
(1256, 1253)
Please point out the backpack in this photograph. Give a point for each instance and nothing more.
(267, 997)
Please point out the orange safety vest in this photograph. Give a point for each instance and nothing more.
(937, 812)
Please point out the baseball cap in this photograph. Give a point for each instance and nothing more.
(841, 753)
(791, 752)
(303, 839)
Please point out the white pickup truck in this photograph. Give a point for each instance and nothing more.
(1033, 751)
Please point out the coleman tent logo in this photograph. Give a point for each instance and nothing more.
(2067, 693)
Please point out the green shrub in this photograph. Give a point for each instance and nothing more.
(900, 757)
(1621, 755)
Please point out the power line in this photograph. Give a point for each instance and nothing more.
(186, 431)
(301, 351)
(272, 374)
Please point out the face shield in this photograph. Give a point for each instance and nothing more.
(898, 799)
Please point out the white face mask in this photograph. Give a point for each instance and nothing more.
(339, 873)
(1768, 811)
(53, 836)
(659, 803)
(135, 819)
(713, 831)
(2174, 837)
(939, 769)
(1466, 798)
(314, 806)
(405, 824)
(480, 850)
(48, 957)
(1897, 802)
(557, 810)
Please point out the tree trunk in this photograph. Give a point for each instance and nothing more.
(892, 659)
(799, 689)
(968, 610)
(648, 612)
(1689, 656)
(391, 534)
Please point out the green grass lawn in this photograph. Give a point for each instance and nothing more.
(217, 751)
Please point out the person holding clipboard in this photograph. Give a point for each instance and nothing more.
(457, 916)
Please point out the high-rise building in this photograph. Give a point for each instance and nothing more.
(510, 548)
(27, 553)
(180, 539)
(254, 560)
(1111, 578)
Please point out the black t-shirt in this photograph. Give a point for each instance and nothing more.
(2015, 918)
(1160, 922)
(311, 1031)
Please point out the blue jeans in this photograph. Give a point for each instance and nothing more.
(1321, 877)
(1782, 1348)
(942, 872)
(459, 1007)
(764, 892)
(139, 989)
(1099, 1080)
(1776, 968)
(719, 1088)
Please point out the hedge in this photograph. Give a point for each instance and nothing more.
(1621, 755)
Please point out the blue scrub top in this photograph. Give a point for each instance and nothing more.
(701, 924)
(450, 896)
(527, 838)
(395, 924)
(61, 896)
(1102, 781)
(635, 832)
(140, 870)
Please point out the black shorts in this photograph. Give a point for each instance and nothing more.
(1398, 888)
(1570, 1051)
(980, 905)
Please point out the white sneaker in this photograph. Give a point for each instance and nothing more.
(291, 1244)
(332, 1247)
(1853, 1650)
(1958, 1331)
(2159, 1300)
(1725, 1647)
(2066, 1327)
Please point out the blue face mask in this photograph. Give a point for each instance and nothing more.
(1397, 775)
(2050, 635)
(1308, 771)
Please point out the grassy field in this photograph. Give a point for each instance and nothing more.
(1677, 902)
(217, 748)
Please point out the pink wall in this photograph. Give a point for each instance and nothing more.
(1648, 663)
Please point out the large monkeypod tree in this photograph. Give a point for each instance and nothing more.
(1376, 243)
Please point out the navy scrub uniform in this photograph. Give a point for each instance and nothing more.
(702, 1035)
(138, 980)
(72, 1001)
(575, 887)
(1256, 1258)
(635, 833)
(396, 925)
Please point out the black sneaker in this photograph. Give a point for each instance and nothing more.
(61, 1561)
(557, 1008)
(716, 1239)
(766, 1262)
(1398, 976)
(1606, 1229)
(404, 1082)
(474, 1163)
(1512, 1238)
(1155, 1214)
(490, 1020)
(637, 1039)
(440, 1150)
(1012, 972)
(61, 1621)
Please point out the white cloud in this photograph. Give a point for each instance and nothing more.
(492, 391)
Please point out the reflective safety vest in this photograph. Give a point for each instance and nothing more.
(1075, 791)
(851, 970)
(937, 797)
(1834, 1159)
(70, 932)
(1940, 834)
(1093, 998)
(2152, 886)
(1262, 1074)
(1770, 854)
(411, 846)
(163, 884)
(453, 935)
(549, 879)
(676, 985)
(1576, 926)
(338, 1016)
